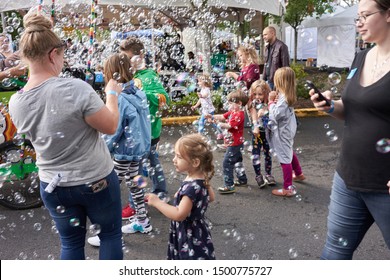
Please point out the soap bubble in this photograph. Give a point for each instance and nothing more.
(140, 181)
(342, 241)
(334, 78)
(293, 253)
(74, 222)
(383, 145)
(332, 136)
(60, 209)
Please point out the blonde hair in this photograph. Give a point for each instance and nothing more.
(206, 79)
(237, 96)
(250, 53)
(285, 83)
(118, 63)
(38, 37)
(265, 89)
(194, 146)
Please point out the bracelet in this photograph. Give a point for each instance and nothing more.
(113, 92)
(330, 111)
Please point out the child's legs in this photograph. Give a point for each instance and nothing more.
(216, 127)
(256, 144)
(136, 193)
(237, 158)
(267, 154)
(121, 168)
(201, 123)
(228, 167)
(287, 175)
(295, 165)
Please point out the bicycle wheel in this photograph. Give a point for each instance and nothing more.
(19, 182)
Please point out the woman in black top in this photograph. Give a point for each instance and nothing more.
(360, 195)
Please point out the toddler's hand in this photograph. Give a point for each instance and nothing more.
(272, 95)
(152, 198)
(162, 100)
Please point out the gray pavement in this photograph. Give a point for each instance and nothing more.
(250, 224)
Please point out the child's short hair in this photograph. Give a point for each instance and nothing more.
(237, 96)
(195, 146)
(133, 45)
(206, 79)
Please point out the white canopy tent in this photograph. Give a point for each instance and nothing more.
(267, 6)
(332, 38)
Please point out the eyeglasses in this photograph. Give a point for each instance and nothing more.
(363, 18)
(63, 44)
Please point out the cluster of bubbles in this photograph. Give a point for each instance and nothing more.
(330, 133)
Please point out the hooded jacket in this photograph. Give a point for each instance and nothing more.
(131, 140)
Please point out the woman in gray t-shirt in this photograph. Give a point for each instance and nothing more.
(63, 119)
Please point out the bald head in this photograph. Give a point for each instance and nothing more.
(269, 34)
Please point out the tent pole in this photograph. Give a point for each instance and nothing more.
(3, 22)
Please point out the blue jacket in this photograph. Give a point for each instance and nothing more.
(131, 140)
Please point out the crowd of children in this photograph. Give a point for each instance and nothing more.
(138, 129)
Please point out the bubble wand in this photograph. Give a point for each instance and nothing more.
(40, 7)
(92, 31)
(53, 4)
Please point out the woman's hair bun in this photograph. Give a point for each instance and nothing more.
(36, 23)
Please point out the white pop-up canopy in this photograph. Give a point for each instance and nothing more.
(267, 6)
(336, 37)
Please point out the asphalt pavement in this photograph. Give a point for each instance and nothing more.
(248, 225)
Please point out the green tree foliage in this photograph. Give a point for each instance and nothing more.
(298, 10)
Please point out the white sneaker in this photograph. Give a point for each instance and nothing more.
(136, 226)
(94, 241)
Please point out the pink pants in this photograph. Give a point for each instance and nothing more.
(288, 168)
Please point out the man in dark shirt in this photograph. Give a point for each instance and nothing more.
(276, 55)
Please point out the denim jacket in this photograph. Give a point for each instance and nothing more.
(131, 140)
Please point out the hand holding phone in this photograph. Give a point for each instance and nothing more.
(321, 97)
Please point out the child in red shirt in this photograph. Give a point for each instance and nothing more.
(233, 121)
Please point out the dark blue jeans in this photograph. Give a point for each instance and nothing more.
(102, 207)
(351, 214)
(158, 178)
(232, 156)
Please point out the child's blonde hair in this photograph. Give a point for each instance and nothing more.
(237, 96)
(120, 64)
(194, 146)
(264, 87)
(206, 79)
(249, 52)
(285, 83)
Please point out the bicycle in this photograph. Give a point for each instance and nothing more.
(19, 181)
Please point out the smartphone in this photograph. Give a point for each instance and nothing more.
(310, 85)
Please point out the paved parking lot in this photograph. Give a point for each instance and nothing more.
(250, 224)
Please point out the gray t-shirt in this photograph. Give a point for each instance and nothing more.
(52, 116)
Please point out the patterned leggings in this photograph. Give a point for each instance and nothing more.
(127, 170)
(258, 143)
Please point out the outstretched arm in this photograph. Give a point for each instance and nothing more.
(178, 213)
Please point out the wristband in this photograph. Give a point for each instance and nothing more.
(113, 92)
(330, 111)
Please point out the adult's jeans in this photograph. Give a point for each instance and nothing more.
(351, 214)
(232, 157)
(70, 206)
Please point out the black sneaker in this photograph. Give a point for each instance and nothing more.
(260, 181)
(270, 180)
(239, 184)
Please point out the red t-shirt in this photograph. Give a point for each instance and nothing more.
(236, 121)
